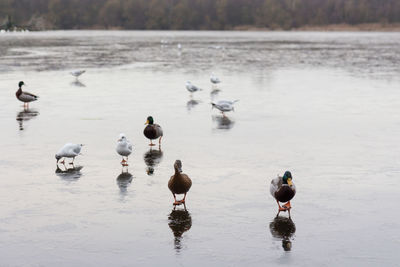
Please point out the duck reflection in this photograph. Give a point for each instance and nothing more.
(223, 122)
(191, 104)
(124, 180)
(152, 158)
(179, 221)
(283, 228)
(69, 174)
(78, 83)
(25, 115)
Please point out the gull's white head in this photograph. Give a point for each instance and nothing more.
(188, 83)
(122, 137)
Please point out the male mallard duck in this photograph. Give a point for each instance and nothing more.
(283, 190)
(25, 96)
(124, 148)
(152, 131)
(179, 183)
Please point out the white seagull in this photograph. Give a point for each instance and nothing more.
(69, 150)
(224, 105)
(77, 73)
(214, 79)
(124, 148)
(192, 88)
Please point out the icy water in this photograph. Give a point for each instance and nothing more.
(323, 105)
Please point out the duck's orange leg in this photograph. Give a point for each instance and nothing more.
(176, 203)
(183, 200)
(281, 208)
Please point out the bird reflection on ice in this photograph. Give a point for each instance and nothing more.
(191, 104)
(78, 83)
(283, 228)
(25, 115)
(123, 181)
(69, 174)
(152, 158)
(223, 122)
(179, 221)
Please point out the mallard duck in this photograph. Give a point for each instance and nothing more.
(152, 131)
(124, 148)
(25, 96)
(69, 151)
(283, 190)
(191, 87)
(179, 183)
(224, 105)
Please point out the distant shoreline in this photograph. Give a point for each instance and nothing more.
(365, 27)
(379, 27)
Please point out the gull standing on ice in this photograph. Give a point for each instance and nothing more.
(124, 148)
(192, 88)
(224, 105)
(69, 150)
(214, 79)
(77, 73)
(25, 96)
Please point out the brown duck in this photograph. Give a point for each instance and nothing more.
(152, 131)
(179, 183)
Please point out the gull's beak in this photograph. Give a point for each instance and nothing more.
(289, 181)
(119, 140)
(147, 122)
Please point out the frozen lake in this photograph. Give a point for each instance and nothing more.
(323, 105)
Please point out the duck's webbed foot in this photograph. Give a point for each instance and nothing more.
(281, 208)
(287, 206)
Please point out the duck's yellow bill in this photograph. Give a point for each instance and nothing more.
(289, 181)
(147, 122)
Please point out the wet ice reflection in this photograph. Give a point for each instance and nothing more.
(124, 180)
(179, 221)
(69, 174)
(78, 83)
(283, 228)
(26, 115)
(223, 122)
(152, 158)
(191, 104)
